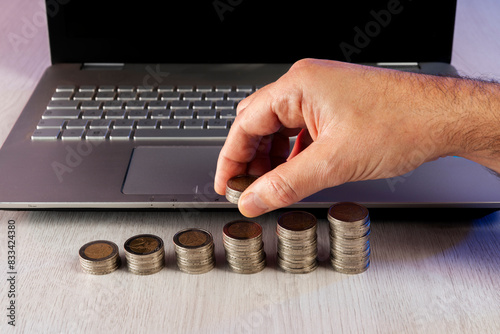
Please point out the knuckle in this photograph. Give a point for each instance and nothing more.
(282, 191)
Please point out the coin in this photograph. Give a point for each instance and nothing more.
(194, 250)
(243, 246)
(99, 257)
(145, 254)
(349, 237)
(236, 185)
(297, 243)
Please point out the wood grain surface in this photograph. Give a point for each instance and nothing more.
(433, 271)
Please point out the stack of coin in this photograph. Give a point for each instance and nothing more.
(244, 247)
(145, 254)
(297, 245)
(99, 257)
(194, 249)
(349, 237)
(236, 186)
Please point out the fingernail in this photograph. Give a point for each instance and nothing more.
(251, 205)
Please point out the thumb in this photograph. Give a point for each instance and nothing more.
(299, 177)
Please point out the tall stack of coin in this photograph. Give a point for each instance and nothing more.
(297, 244)
(145, 254)
(349, 237)
(244, 247)
(236, 186)
(99, 257)
(194, 249)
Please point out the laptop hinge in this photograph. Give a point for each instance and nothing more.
(102, 66)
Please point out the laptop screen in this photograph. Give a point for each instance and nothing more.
(250, 31)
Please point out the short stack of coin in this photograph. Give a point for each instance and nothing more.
(194, 249)
(236, 186)
(349, 237)
(99, 257)
(145, 254)
(244, 247)
(297, 244)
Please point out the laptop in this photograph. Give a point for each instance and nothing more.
(139, 98)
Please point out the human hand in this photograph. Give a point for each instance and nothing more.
(353, 123)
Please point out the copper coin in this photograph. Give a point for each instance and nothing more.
(240, 182)
(297, 221)
(98, 250)
(348, 212)
(242, 230)
(143, 244)
(192, 238)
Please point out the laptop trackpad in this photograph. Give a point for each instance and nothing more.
(175, 170)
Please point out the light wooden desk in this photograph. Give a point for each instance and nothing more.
(432, 272)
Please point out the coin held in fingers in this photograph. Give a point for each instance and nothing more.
(236, 186)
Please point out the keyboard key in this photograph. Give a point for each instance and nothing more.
(225, 105)
(227, 114)
(72, 134)
(149, 96)
(244, 88)
(105, 96)
(214, 96)
(97, 134)
(170, 96)
(142, 89)
(236, 96)
(147, 124)
(62, 95)
(180, 134)
(125, 96)
(180, 104)
(204, 88)
(126, 88)
(192, 96)
(45, 134)
(160, 114)
(87, 88)
(61, 113)
(112, 104)
(171, 124)
(120, 134)
(217, 124)
(116, 114)
(83, 96)
(63, 104)
(184, 88)
(65, 88)
(194, 124)
(138, 114)
(207, 114)
(90, 105)
(202, 105)
(135, 105)
(183, 114)
(51, 124)
(157, 105)
(100, 124)
(124, 124)
(92, 114)
(223, 88)
(106, 88)
(77, 124)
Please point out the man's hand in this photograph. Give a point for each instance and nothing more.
(353, 123)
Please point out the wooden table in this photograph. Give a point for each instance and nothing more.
(433, 271)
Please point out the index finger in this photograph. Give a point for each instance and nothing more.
(263, 114)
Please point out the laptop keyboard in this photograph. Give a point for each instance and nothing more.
(140, 113)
